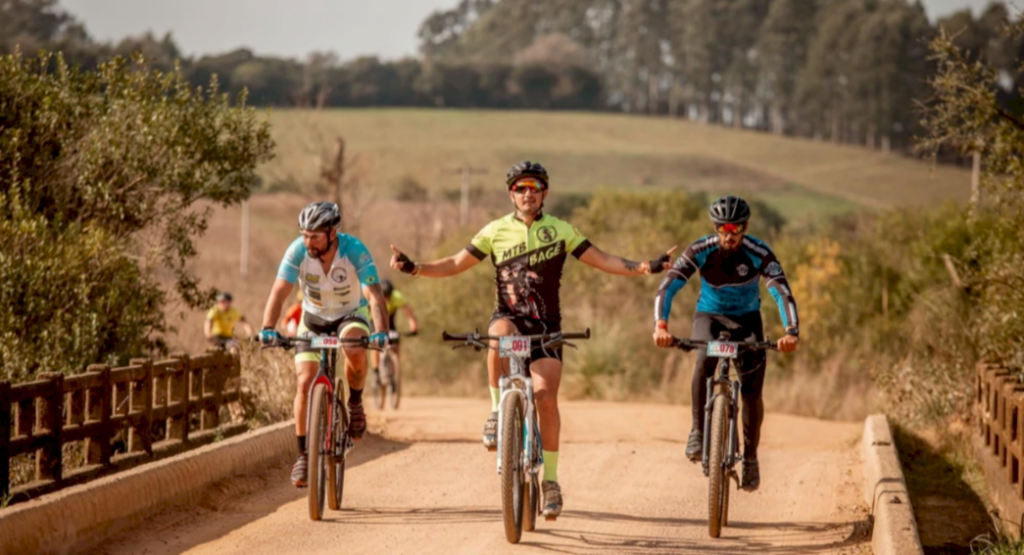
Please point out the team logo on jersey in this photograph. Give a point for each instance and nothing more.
(742, 270)
(364, 258)
(774, 269)
(339, 274)
(371, 280)
(547, 234)
(312, 278)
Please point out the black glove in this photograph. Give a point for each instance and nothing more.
(408, 266)
(658, 264)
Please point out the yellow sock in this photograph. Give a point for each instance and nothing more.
(550, 466)
(495, 398)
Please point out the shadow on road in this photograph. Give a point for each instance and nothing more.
(572, 532)
(235, 503)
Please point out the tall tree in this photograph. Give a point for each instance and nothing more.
(782, 53)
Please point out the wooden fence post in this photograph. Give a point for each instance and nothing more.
(141, 402)
(5, 438)
(49, 415)
(94, 405)
(213, 382)
(177, 426)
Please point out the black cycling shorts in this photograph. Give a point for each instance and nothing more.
(750, 369)
(530, 326)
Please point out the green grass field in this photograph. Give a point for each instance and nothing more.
(584, 151)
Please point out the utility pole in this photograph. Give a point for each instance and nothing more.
(243, 269)
(467, 172)
(976, 182)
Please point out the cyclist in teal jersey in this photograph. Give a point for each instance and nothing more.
(337, 276)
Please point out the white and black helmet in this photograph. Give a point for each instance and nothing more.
(318, 216)
(730, 210)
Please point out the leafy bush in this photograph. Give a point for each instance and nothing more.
(100, 173)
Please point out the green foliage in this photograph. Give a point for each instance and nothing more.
(100, 173)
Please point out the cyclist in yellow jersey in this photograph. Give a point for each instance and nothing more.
(395, 301)
(221, 321)
(528, 249)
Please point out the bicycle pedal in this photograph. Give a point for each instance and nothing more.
(550, 518)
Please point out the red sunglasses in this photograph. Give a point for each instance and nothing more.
(732, 229)
(524, 186)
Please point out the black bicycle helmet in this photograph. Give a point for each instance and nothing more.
(318, 216)
(387, 287)
(526, 169)
(730, 210)
(223, 296)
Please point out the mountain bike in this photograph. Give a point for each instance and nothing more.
(519, 443)
(721, 429)
(387, 385)
(328, 437)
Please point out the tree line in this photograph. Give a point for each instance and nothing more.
(852, 71)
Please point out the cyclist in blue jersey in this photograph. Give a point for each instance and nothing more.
(339, 289)
(731, 265)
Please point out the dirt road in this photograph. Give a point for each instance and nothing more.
(424, 484)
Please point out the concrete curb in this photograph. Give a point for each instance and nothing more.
(885, 491)
(80, 515)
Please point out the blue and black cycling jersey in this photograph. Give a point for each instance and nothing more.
(729, 280)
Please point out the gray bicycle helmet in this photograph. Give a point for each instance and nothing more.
(318, 216)
(224, 296)
(526, 169)
(730, 210)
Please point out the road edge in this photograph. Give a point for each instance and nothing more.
(894, 530)
(68, 519)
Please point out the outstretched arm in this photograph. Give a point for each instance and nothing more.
(445, 267)
(617, 265)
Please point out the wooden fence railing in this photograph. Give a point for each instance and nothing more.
(157, 409)
(999, 408)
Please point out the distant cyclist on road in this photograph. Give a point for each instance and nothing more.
(528, 249)
(396, 301)
(731, 265)
(337, 276)
(221, 321)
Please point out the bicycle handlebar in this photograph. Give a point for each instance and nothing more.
(540, 337)
(547, 340)
(691, 344)
(290, 342)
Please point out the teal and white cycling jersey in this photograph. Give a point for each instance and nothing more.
(338, 292)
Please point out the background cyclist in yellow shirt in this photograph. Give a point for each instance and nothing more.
(221, 320)
(395, 301)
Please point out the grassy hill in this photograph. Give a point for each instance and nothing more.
(584, 151)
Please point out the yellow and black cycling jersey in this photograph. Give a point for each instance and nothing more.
(529, 262)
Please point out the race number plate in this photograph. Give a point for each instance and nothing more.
(514, 345)
(722, 349)
(325, 343)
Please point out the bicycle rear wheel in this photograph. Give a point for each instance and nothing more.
(394, 385)
(716, 470)
(377, 386)
(531, 504)
(318, 451)
(511, 448)
(336, 464)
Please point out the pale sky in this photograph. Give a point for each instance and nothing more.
(293, 28)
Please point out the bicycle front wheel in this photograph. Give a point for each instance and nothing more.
(716, 469)
(318, 450)
(511, 453)
(336, 464)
